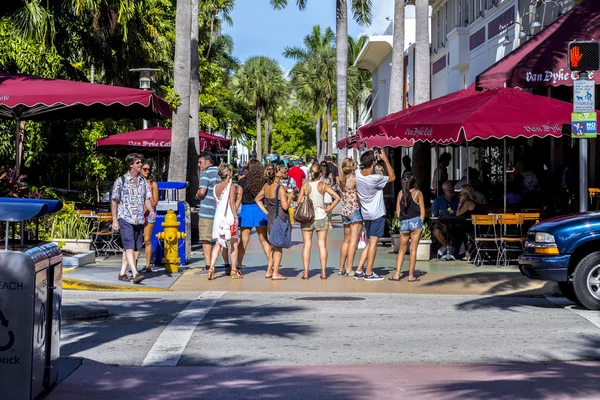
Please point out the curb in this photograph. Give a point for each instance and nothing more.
(75, 284)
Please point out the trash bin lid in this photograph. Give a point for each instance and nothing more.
(171, 185)
(17, 209)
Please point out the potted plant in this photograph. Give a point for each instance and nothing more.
(425, 243)
(71, 231)
(394, 224)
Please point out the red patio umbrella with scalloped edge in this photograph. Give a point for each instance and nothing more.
(158, 138)
(31, 98)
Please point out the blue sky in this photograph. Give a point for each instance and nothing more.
(259, 30)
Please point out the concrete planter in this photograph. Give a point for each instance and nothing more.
(79, 259)
(396, 242)
(74, 244)
(423, 250)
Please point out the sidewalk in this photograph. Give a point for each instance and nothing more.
(436, 277)
(96, 381)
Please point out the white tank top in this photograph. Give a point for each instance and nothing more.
(318, 200)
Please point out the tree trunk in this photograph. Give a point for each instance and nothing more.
(271, 133)
(258, 133)
(341, 27)
(181, 84)
(397, 76)
(193, 140)
(329, 129)
(318, 136)
(422, 151)
(267, 149)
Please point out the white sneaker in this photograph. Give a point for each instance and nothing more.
(442, 251)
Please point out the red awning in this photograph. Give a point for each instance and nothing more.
(543, 60)
(27, 97)
(497, 113)
(158, 138)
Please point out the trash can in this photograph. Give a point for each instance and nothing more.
(30, 302)
(169, 200)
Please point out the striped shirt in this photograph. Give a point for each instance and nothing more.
(208, 180)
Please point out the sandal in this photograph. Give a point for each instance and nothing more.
(236, 274)
(323, 276)
(304, 276)
(395, 278)
(211, 274)
(413, 280)
(148, 269)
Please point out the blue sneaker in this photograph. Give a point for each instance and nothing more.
(359, 275)
(373, 277)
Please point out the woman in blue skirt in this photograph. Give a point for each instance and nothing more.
(251, 216)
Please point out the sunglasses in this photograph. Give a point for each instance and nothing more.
(138, 162)
(146, 169)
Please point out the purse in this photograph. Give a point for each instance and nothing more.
(305, 212)
(281, 232)
(362, 241)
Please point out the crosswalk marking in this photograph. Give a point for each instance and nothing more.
(171, 343)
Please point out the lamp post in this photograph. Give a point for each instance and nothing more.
(145, 79)
(230, 141)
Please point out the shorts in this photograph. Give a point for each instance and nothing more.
(316, 225)
(252, 216)
(412, 224)
(375, 227)
(206, 227)
(132, 236)
(354, 217)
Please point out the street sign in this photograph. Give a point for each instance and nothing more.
(583, 96)
(584, 125)
(584, 56)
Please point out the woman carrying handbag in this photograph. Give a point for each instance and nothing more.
(225, 224)
(316, 190)
(279, 227)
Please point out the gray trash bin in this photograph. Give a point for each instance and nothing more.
(30, 302)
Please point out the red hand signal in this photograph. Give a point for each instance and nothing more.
(576, 56)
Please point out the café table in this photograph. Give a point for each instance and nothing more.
(450, 222)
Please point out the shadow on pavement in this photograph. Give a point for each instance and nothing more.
(501, 282)
(506, 302)
(99, 381)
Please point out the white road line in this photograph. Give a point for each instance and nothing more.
(591, 316)
(171, 343)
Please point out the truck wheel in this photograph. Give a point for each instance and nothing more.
(586, 281)
(567, 290)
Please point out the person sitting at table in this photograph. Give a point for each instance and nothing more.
(467, 203)
(443, 207)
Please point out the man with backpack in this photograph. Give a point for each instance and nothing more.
(130, 197)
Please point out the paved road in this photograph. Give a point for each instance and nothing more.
(262, 329)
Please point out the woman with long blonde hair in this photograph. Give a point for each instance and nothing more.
(351, 217)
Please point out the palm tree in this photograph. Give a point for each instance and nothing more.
(181, 84)
(276, 94)
(361, 10)
(359, 84)
(315, 72)
(253, 85)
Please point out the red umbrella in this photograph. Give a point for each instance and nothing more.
(158, 138)
(498, 113)
(26, 97)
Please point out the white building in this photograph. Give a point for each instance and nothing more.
(467, 37)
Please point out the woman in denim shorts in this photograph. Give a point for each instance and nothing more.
(410, 208)
(351, 217)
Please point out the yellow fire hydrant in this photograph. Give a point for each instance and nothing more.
(171, 238)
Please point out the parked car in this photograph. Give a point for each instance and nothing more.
(566, 250)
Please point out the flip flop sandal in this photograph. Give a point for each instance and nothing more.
(398, 279)
(283, 278)
(414, 280)
(323, 276)
(304, 276)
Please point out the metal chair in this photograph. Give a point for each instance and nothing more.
(484, 238)
(104, 239)
(511, 237)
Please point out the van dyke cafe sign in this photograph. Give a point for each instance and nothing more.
(149, 143)
(420, 132)
(562, 75)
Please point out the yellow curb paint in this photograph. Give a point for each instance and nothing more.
(74, 284)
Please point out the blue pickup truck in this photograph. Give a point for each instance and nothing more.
(566, 250)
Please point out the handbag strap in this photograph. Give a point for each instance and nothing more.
(277, 201)
(227, 205)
